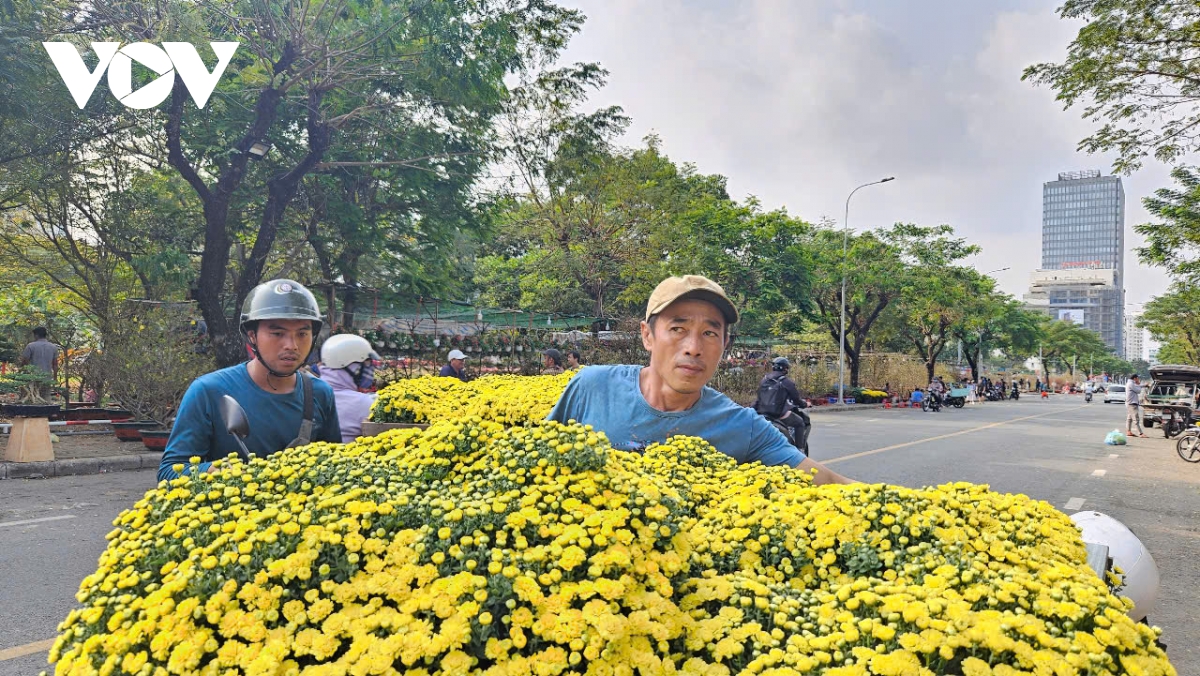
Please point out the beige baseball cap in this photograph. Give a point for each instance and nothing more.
(672, 289)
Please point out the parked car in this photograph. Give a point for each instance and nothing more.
(1114, 393)
(1172, 385)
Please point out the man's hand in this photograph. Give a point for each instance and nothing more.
(824, 475)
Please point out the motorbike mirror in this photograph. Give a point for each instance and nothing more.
(234, 416)
(236, 423)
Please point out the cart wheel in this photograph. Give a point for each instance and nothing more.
(1188, 447)
(959, 403)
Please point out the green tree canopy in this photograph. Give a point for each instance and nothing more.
(1134, 67)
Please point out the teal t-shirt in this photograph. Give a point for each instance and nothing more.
(274, 419)
(610, 399)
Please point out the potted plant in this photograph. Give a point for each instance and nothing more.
(29, 384)
(149, 364)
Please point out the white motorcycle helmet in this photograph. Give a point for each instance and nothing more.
(345, 349)
(1128, 553)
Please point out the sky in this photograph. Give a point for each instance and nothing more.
(799, 101)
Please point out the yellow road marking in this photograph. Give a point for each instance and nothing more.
(944, 436)
(27, 649)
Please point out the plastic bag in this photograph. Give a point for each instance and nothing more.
(1115, 438)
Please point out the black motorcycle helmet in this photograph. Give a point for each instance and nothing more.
(278, 299)
(780, 364)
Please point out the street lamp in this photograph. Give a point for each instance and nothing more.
(845, 243)
(996, 270)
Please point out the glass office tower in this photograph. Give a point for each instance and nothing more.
(1083, 229)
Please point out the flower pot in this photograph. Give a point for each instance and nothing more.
(87, 414)
(831, 400)
(117, 414)
(29, 410)
(155, 440)
(131, 430)
(849, 400)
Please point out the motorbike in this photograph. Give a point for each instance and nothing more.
(931, 402)
(994, 394)
(790, 433)
(1016, 394)
(1087, 397)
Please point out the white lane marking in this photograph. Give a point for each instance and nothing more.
(1074, 504)
(853, 456)
(874, 419)
(1100, 472)
(1113, 455)
(29, 521)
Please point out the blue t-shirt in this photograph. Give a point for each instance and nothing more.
(274, 419)
(610, 399)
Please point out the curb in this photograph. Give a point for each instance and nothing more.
(79, 466)
(846, 408)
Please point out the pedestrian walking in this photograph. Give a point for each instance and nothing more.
(1133, 408)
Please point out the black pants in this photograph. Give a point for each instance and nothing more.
(800, 427)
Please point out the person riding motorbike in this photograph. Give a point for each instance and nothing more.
(347, 364)
(1088, 390)
(285, 406)
(937, 390)
(780, 400)
(1016, 392)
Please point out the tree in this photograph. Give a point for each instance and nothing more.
(936, 290)
(1174, 243)
(874, 271)
(1173, 320)
(1134, 67)
(305, 80)
(995, 321)
(1066, 343)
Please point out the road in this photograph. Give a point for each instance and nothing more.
(52, 531)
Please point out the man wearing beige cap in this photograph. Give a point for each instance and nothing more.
(686, 331)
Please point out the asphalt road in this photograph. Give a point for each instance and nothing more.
(52, 531)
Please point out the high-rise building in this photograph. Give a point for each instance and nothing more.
(1083, 232)
(1135, 342)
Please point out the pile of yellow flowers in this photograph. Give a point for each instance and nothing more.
(506, 399)
(472, 547)
(875, 393)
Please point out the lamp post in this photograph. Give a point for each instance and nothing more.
(996, 270)
(845, 243)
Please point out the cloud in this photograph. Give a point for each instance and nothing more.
(799, 101)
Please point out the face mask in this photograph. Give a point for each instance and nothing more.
(363, 374)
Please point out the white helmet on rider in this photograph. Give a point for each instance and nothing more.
(345, 349)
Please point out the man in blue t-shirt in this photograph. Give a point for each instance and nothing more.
(278, 321)
(685, 331)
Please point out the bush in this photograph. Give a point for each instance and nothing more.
(149, 360)
(475, 548)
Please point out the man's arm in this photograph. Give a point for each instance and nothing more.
(789, 386)
(824, 475)
(26, 355)
(190, 436)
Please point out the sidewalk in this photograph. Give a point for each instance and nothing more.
(99, 454)
(83, 454)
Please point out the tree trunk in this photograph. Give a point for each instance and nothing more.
(350, 295)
